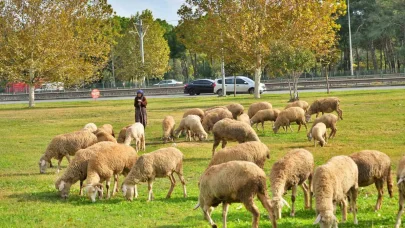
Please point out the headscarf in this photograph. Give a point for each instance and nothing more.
(139, 91)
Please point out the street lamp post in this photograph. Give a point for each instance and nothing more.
(350, 39)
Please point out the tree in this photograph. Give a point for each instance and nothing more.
(53, 41)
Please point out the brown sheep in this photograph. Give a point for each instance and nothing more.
(255, 107)
(323, 105)
(302, 104)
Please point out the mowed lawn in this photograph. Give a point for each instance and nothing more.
(372, 120)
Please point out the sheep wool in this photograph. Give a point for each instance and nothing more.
(401, 190)
(194, 111)
(264, 115)
(323, 105)
(90, 126)
(288, 116)
(255, 107)
(193, 127)
(302, 104)
(168, 128)
(318, 133)
(236, 109)
(122, 134)
(136, 132)
(329, 120)
(244, 118)
(214, 116)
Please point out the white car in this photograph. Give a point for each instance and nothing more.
(169, 82)
(51, 87)
(243, 85)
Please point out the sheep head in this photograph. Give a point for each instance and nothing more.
(129, 191)
(42, 165)
(63, 188)
(308, 116)
(277, 204)
(327, 220)
(92, 190)
(309, 136)
(275, 129)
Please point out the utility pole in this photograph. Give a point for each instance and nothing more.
(350, 39)
(141, 34)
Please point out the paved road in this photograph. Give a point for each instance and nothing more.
(202, 95)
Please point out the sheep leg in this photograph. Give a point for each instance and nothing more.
(150, 192)
(343, 205)
(60, 161)
(401, 208)
(340, 113)
(183, 182)
(264, 199)
(115, 189)
(207, 213)
(299, 126)
(379, 184)
(311, 192)
(250, 206)
(256, 126)
(107, 186)
(81, 188)
(306, 194)
(143, 143)
(50, 164)
(173, 183)
(216, 144)
(354, 192)
(293, 196)
(225, 207)
(224, 142)
(68, 158)
(290, 128)
(314, 142)
(263, 126)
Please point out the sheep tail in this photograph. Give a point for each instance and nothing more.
(389, 182)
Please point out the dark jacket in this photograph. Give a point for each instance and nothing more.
(143, 103)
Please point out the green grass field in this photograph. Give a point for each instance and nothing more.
(372, 120)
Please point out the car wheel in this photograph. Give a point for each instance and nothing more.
(191, 92)
(251, 90)
(219, 92)
(197, 93)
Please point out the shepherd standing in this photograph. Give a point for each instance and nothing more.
(140, 108)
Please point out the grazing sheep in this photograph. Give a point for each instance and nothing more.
(264, 115)
(236, 109)
(168, 128)
(215, 108)
(158, 164)
(318, 133)
(192, 125)
(214, 116)
(66, 145)
(332, 183)
(401, 190)
(289, 115)
(302, 104)
(232, 182)
(77, 170)
(90, 126)
(232, 130)
(374, 167)
(289, 172)
(122, 134)
(137, 132)
(323, 105)
(102, 135)
(255, 107)
(194, 111)
(107, 128)
(256, 152)
(110, 160)
(329, 120)
(244, 118)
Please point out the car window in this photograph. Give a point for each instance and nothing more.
(205, 82)
(219, 81)
(229, 81)
(240, 81)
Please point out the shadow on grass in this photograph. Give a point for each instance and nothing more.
(26, 174)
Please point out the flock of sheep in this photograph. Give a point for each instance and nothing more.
(234, 174)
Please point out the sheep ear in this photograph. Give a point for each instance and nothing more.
(61, 185)
(318, 219)
(43, 162)
(284, 202)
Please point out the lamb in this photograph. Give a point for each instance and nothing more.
(111, 160)
(285, 117)
(231, 182)
(323, 105)
(194, 111)
(318, 133)
(255, 152)
(332, 183)
(232, 130)
(401, 190)
(264, 115)
(236, 109)
(168, 128)
(122, 134)
(90, 126)
(214, 116)
(102, 135)
(374, 167)
(66, 145)
(289, 172)
(192, 125)
(137, 132)
(255, 107)
(329, 120)
(158, 164)
(244, 118)
(77, 170)
(302, 104)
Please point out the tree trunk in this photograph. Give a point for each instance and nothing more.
(327, 81)
(113, 68)
(289, 87)
(358, 61)
(223, 76)
(296, 76)
(31, 103)
(373, 57)
(258, 74)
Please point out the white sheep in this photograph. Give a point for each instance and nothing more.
(158, 164)
(111, 159)
(90, 126)
(401, 190)
(194, 111)
(288, 116)
(255, 107)
(329, 120)
(318, 133)
(66, 145)
(256, 152)
(232, 182)
(168, 124)
(289, 172)
(264, 115)
(374, 168)
(232, 130)
(193, 127)
(323, 105)
(137, 133)
(332, 183)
